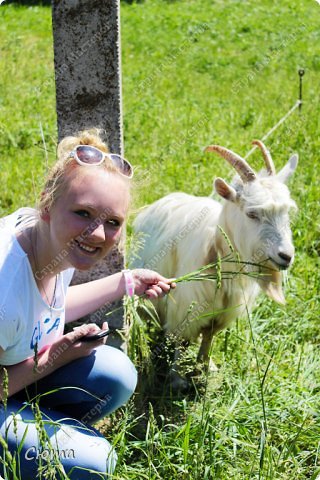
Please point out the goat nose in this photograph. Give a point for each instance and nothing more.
(284, 256)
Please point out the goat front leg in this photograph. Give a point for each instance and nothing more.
(177, 381)
(204, 350)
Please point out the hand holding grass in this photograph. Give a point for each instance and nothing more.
(151, 284)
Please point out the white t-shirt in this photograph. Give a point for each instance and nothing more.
(25, 318)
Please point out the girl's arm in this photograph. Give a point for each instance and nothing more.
(88, 297)
(67, 348)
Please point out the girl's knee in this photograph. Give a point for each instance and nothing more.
(127, 373)
(118, 378)
(83, 449)
(117, 367)
(99, 465)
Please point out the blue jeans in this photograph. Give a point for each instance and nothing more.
(89, 389)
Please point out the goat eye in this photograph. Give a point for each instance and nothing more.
(252, 215)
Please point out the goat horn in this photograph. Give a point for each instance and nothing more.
(240, 165)
(266, 156)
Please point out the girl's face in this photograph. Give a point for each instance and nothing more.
(86, 220)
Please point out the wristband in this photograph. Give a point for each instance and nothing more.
(128, 278)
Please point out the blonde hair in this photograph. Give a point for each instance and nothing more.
(57, 178)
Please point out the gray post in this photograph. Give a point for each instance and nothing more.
(88, 94)
(87, 66)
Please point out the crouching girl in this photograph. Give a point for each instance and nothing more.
(76, 382)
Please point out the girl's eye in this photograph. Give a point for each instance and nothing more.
(113, 223)
(253, 215)
(83, 213)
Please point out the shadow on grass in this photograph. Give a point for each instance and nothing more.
(154, 396)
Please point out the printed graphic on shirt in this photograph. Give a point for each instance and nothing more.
(46, 330)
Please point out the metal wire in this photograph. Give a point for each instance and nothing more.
(275, 127)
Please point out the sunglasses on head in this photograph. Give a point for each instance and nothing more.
(88, 155)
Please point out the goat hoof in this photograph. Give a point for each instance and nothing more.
(178, 383)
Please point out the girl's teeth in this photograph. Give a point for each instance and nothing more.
(86, 247)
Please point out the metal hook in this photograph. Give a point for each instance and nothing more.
(301, 73)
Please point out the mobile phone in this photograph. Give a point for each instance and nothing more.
(95, 336)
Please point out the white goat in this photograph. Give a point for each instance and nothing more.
(182, 232)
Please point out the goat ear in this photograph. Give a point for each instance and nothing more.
(225, 190)
(284, 174)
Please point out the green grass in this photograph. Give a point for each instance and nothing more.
(195, 73)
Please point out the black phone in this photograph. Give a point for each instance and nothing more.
(95, 336)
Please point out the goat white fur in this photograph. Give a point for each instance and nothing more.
(181, 233)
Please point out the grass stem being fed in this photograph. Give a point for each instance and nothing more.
(214, 271)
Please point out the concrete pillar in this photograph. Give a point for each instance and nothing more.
(88, 93)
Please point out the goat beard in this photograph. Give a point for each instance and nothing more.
(271, 283)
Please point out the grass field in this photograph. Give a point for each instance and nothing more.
(196, 73)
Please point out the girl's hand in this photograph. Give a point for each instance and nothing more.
(151, 283)
(88, 330)
(70, 344)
